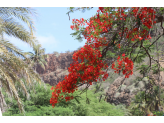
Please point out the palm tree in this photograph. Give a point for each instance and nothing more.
(38, 57)
(12, 66)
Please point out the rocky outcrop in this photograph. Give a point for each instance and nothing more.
(122, 90)
(56, 68)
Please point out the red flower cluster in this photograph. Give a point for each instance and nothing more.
(92, 70)
(125, 63)
(151, 115)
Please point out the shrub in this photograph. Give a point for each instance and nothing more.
(39, 105)
(139, 105)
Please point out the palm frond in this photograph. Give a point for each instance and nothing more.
(5, 46)
(12, 28)
(38, 57)
(21, 13)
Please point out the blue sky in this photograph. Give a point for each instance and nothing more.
(53, 29)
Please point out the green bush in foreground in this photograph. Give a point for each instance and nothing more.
(39, 105)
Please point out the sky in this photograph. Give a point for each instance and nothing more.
(53, 30)
(52, 26)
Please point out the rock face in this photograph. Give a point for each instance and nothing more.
(122, 91)
(56, 68)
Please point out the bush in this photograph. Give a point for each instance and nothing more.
(39, 105)
(139, 105)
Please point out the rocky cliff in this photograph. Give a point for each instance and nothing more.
(56, 68)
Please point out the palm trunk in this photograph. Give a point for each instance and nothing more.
(3, 104)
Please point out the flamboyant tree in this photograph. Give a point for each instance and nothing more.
(124, 31)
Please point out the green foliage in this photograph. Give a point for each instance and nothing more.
(158, 113)
(143, 69)
(78, 34)
(146, 102)
(39, 105)
(137, 105)
(109, 54)
(155, 68)
(39, 96)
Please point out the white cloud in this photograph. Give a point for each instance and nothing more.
(47, 41)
